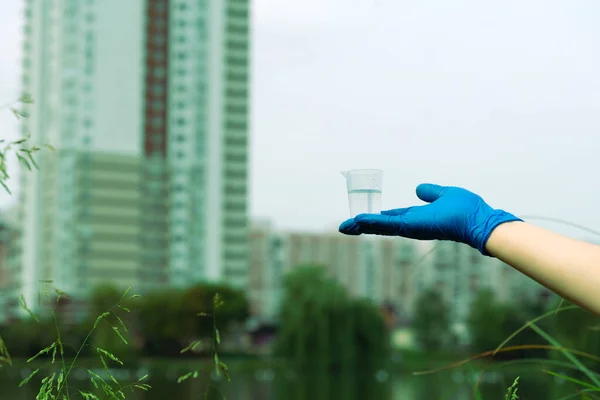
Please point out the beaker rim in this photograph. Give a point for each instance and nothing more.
(365, 170)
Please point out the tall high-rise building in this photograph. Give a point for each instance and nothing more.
(146, 103)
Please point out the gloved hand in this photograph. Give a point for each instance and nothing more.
(453, 214)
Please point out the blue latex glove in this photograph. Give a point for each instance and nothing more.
(453, 214)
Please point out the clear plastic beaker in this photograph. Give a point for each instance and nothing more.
(364, 190)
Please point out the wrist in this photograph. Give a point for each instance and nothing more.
(500, 236)
(495, 224)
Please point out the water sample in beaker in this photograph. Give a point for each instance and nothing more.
(364, 190)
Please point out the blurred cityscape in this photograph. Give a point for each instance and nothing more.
(147, 105)
(391, 272)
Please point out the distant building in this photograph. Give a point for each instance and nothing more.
(146, 103)
(392, 272)
(267, 266)
(374, 268)
(459, 272)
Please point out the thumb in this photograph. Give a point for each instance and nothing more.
(429, 192)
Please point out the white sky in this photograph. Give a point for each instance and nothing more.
(502, 98)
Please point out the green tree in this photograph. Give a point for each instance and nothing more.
(104, 298)
(198, 299)
(320, 325)
(431, 322)
(490, 322)
(170, 318)
(26, 337)
(164, 321)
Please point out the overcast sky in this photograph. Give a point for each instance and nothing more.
(502, 98)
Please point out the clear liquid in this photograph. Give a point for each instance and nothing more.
(364, 201)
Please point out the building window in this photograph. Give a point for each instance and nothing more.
(158, 90)
(158, 55)
(159, 72)
(237, 60)
(236, 109)
(159, 39)
(159, 6)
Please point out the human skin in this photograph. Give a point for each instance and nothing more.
(568, 267)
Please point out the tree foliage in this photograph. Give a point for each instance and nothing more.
(488, 322)
(159, 323)
(491, 322)
(320, 325)
(431, 322)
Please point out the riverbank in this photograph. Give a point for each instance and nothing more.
(401, 362)
(275, 377)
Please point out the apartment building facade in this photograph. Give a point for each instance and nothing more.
(375, 268)
(459, 272)
(146, 103)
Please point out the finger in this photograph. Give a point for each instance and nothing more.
(429, 192)
(376, 224)
(350, 227)
(394, 212)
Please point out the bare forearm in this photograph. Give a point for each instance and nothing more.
(566, 266)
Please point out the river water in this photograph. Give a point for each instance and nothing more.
(276, 384)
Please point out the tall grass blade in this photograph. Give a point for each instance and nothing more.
(573, 380)
(23, 305)
(45, 350)
(100, 318)
(567, 353)
(528, 323)
(192, 346)
(88, 396)
(184, 377)
(506, 349)
(26, 380)
(4, 354)
(542, 362)
(576, 394)
(119, 333)
(109, 355)
(511, 393)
